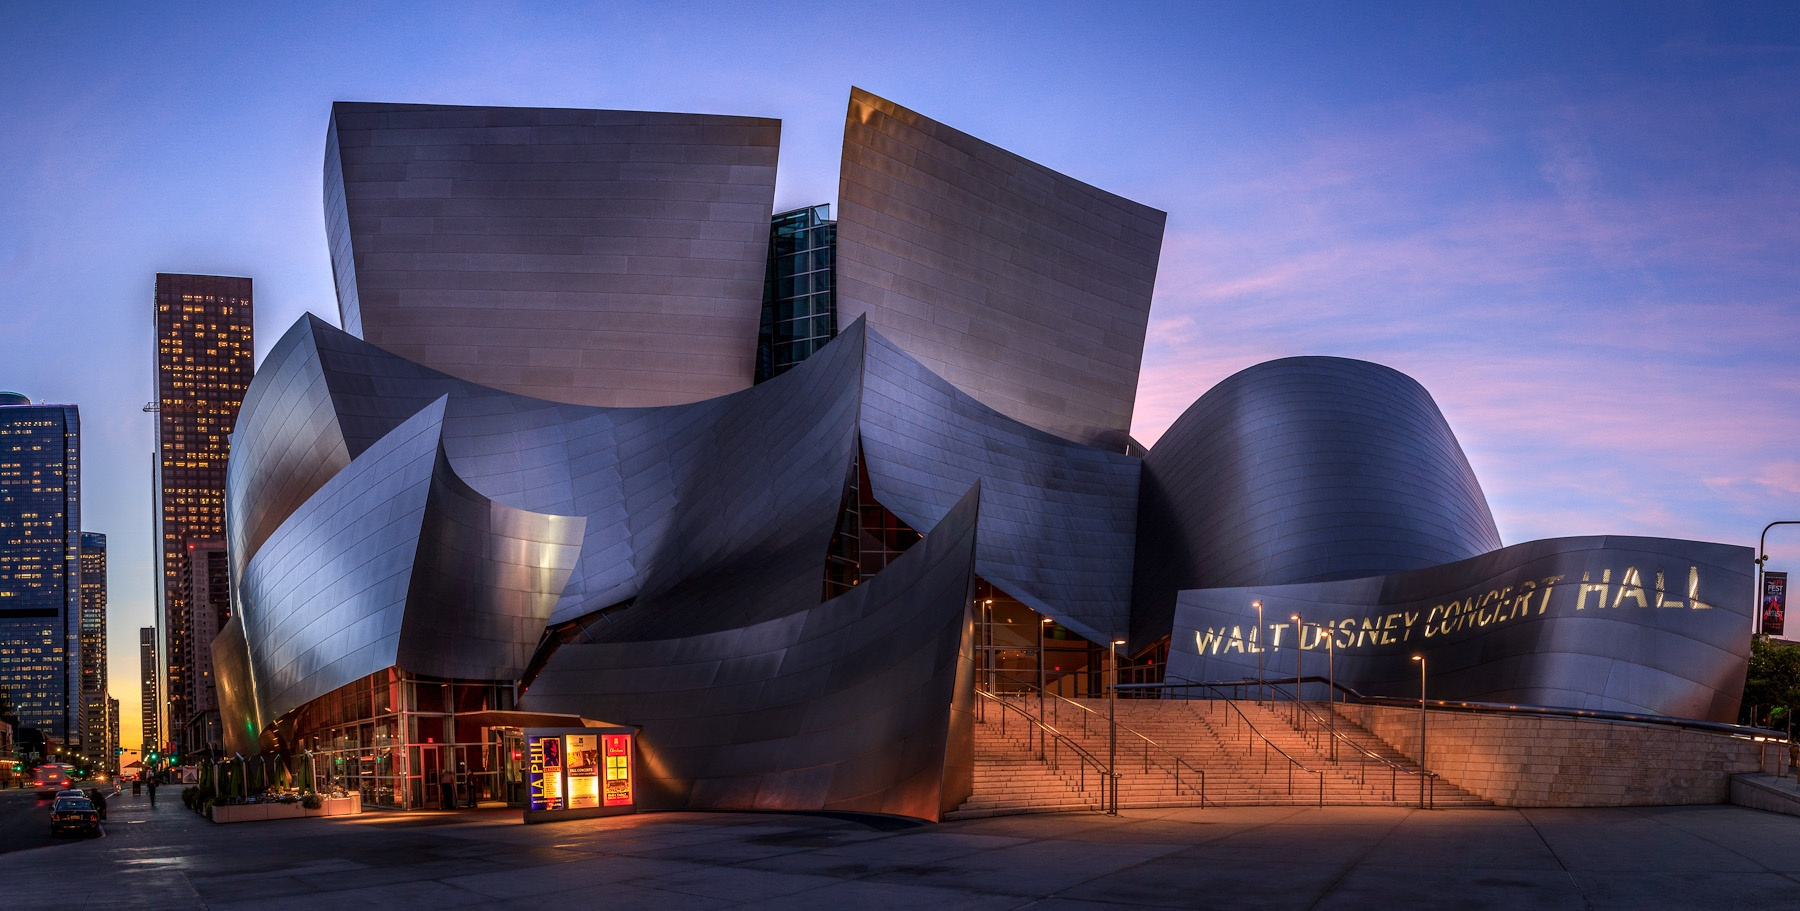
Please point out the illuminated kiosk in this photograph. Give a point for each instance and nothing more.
(542, 481)
(573, 773)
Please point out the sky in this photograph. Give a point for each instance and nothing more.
(1577, 228)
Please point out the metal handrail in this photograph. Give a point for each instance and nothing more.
(1394, 769)
(1032, 689)
(1060, 738)
(1267, 746)
(1688, 724)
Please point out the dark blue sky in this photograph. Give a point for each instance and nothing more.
(1577, 228)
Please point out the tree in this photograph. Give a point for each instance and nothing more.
(1772, 686)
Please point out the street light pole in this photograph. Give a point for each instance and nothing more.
(1299, 652)
(1331, 685)
(1042, 682)
(1259, 651)
(1421, 660)
(1112, 723)
(1761, 558)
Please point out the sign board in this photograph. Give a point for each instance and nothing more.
(1774, 603)
(578, 772)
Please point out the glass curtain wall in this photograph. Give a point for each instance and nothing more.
(395, 739)
(800, 291)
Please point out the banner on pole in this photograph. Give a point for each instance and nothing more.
(1774, 603)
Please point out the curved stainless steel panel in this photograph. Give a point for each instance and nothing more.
(1025, 288)
(846, 705)
(599, 257)
(397, 561)
(483, 584)
(1610, 623)
(1057, 517)
(287, 443)
(240, 719)
(322, 601)
(1304, 469)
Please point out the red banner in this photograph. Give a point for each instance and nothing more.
(1774, 603)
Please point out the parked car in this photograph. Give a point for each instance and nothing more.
(74, 814)
(70, 792)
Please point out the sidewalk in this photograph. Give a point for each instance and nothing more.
(1263, 857)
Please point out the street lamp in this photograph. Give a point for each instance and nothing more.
(1762, 557)
(1299, 650)
(1331, 685)
(987, 613)
(1421, 660)
(1042, 682)
(1259, 651)
(1112, 723)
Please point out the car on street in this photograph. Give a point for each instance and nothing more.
(52, 778)
(74, 814)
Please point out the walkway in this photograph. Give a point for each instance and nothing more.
(1253, 857)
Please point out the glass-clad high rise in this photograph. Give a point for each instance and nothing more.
(94, 723)
(204, 360)
(799, 298)
(40, 569)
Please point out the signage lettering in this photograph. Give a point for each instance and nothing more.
(1530, 598)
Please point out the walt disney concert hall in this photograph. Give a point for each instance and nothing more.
(605, 443)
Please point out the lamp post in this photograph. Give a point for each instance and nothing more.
(1042, 682)
(987, 613)
(1259, 651)
(1421, 660)
(1299, 651)
(1761, 558)
(1331, 685)
(1112, 724)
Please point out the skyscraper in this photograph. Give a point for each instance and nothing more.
(206, 590)
(204, 360)
(40, 569)
(112, 736)
(147, 685)
(93, 646)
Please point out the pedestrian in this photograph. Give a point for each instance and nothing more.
(446, 790)
(99, 800)
(152, 786)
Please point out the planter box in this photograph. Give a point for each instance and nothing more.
(339, 806)
(253, 812)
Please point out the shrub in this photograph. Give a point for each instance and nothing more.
(312, 802)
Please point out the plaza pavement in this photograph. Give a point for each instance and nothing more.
(1247, 858)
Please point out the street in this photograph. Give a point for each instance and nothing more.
(25, 820)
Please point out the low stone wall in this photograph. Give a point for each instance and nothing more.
(256, 812)
(1548, 761)
(1766, 792)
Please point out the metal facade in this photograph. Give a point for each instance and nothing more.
(1057, 517)
(1613, 623)
(1303, 469)
(598, 257)
(392, 503)
(1025, 288)
(849, 705)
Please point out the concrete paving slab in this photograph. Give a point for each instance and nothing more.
(1277, 858)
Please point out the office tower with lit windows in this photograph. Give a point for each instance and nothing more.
(40, 569)
(93, 646)
(206, 590)
(204, 360)
(147, 685)
(111, 765)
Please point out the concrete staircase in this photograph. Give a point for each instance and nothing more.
(1010, 779)
(1227, 741)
